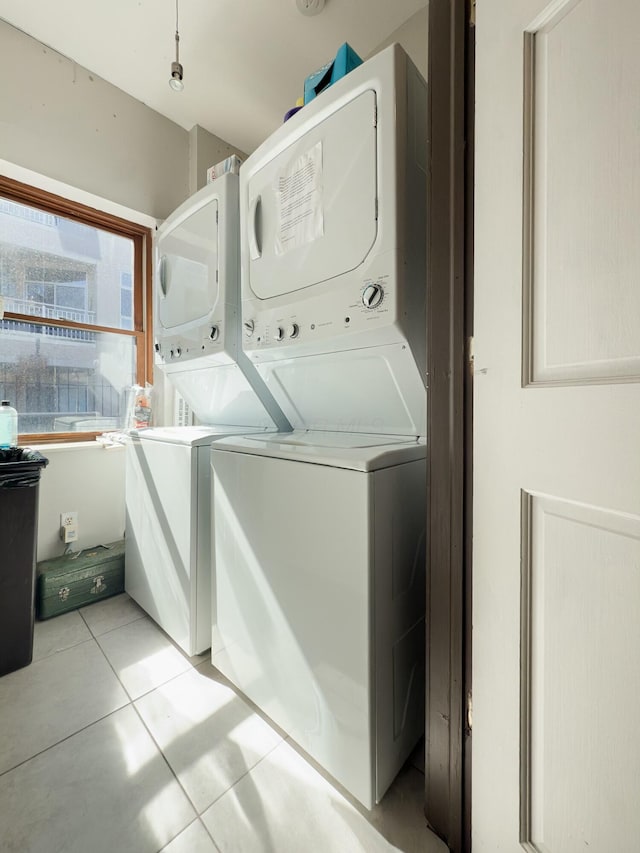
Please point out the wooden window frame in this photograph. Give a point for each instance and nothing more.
(141, 237)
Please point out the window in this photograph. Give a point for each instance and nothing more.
(73, 284)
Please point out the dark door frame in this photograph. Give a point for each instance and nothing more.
(449, 325)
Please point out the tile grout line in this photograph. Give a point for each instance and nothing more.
(196, 820)
(104, 633)
(91, 639)
(248, 771)
(94, 638)
(132, 702)
(166, 761)
(206, 829)
(160, 750)
(132, 699)
(62, 740)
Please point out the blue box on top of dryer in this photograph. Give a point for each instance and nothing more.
(346, 59)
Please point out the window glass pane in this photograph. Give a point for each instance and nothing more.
(70, 296)
(38, 296)
(65, 380)
(54, 267)
(126, 303)
(126, 300)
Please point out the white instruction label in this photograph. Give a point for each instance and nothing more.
(298, 192)
(182, 414)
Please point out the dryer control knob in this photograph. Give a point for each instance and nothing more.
(249, 328)
(214, 334)
(279, 333)
(372, 296)
(293, 330)
(178, 352)
(171, 353)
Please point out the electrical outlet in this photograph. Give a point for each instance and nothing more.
(69, 519)
(69, 526)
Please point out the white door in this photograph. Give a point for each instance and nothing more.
(556, 611)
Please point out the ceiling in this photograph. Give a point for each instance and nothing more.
(244, 60)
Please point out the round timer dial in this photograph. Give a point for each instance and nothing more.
(372, 295)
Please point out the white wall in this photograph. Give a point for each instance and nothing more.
(413, 36)
(65, 122)
(206, 150)
(86, 478)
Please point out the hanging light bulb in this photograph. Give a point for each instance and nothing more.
(175, 81)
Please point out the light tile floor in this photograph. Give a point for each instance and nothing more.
(112, 741)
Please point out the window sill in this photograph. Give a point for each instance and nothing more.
(45, 448)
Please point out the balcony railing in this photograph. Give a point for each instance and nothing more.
(51, 312)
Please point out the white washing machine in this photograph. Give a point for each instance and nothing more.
(168, 491)
(168, 539)
(319, 534)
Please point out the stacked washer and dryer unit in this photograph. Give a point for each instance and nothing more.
(168, 475)
(319, 534)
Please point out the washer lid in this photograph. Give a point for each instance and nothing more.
(357, 451)
(193, 436)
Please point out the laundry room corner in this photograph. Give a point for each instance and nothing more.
(88, 479)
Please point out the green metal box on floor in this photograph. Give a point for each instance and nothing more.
(77, 579)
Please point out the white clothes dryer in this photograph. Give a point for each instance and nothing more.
(319, 534)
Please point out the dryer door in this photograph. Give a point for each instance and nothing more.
(311, 211)
(187, 268)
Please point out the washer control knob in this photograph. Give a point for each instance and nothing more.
(279, 333)
(249, 328)
(372, 296)
(171, 353)
(293, 330)
(214, 334)
(178, 352)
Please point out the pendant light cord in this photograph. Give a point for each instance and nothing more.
(177, 36)
(175, 81)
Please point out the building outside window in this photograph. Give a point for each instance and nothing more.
(72, 327)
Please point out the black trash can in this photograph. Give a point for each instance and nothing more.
(19, 486)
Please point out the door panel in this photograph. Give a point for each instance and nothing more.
(581, 655)
(581, 79)
(557, 417)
